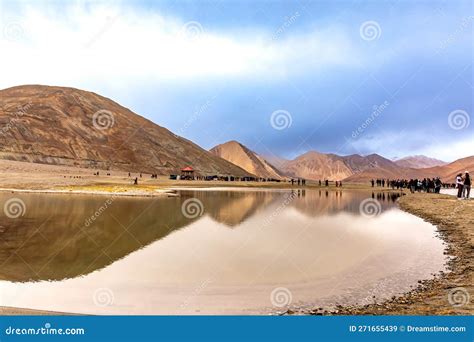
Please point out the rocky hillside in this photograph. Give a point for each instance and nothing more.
(319, 166)
(373, 166)
(248, 160)
(419, 162)
(65, 126)
(356, 168)
(447, 172)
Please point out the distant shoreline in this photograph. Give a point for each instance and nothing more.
(171, 189)
(12, 311)
(134, 193)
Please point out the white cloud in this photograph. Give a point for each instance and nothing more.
(402, 144)
(451, 151)
(112, 43)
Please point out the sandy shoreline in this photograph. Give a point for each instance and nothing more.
(41, 178)
(10, 311)
(85, 191)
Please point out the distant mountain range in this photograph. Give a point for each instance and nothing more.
(320, 166)
(419, 162)
(66, 126)
(313, 165)
(356, 168)
(449, 171)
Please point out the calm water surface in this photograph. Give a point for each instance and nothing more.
(239, 252)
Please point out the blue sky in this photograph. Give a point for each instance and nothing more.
(282, 77)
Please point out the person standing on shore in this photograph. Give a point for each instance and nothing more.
(467, 185)
(438, 184)
(459, 185)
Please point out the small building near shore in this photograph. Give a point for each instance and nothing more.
(187, 173)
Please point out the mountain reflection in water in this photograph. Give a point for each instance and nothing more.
(56, 239)
(226, 256)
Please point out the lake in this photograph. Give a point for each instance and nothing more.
(210, 251)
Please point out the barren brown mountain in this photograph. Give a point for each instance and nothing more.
(419, 162)
(276, 161)
(314, 165)
(371, 163)
(356, 168)
(65, 126)
(447, 172)
(319, 166)
(248, 160)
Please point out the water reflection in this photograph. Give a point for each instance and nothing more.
(53, 240)
(322, 202)
(232, 207)
(56, 239)
(156, 260)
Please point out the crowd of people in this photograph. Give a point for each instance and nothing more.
(462, 183)
(426, 184)
(434, 185)
(298, 181)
